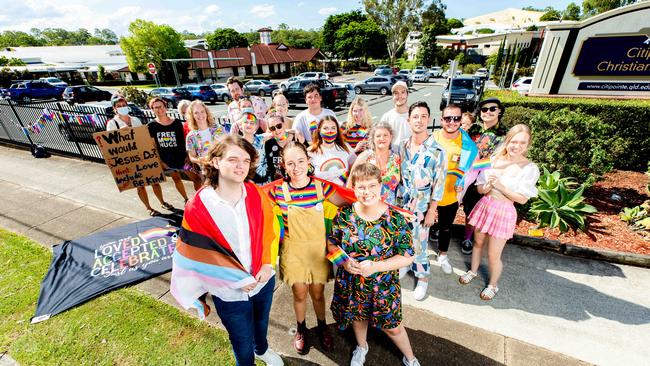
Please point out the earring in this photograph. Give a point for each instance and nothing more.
(310, 170)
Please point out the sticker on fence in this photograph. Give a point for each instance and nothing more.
(131, 155)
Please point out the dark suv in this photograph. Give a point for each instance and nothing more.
(27, 91)
(172, 95)
(84, 93)
(464, 93)
(331, 94)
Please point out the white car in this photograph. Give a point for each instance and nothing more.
(351, 94)
(285, 84)
(420, 75)
(482, 73)
(54, 81)
(314, 75)
(435, 72)
(446, 73)
(522, 85)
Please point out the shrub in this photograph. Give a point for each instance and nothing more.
(628, 120)
(135, 95)
(558, 205)
(471, 68)
(515, 115)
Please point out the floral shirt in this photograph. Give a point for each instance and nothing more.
(194, 142)
(390, 175)
(423, 175)
(487, 140)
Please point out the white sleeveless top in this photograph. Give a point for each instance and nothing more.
(525, 182)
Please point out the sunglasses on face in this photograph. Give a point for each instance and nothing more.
(276, 127)
(491, 109)
(455, 119)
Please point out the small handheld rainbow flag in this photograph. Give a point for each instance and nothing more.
(338, 256)
(482, 164)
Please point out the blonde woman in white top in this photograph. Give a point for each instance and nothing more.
(512, 178)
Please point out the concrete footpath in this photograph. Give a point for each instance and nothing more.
(550, 309)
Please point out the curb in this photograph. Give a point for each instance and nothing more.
(572, 250)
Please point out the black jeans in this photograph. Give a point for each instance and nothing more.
(446, 215)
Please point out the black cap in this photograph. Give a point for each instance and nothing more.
(491, 100)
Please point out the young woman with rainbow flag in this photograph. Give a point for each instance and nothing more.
(227, 247)
(307, 206)
(371, 241)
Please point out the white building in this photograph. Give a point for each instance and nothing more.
(412, 45)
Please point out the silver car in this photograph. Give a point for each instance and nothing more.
(420, 75)
(380, 84)
(351, 94)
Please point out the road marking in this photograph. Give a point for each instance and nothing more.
(427, 94)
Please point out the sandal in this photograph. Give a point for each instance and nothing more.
(467, 277)
(489, 292)
(167, 206)
(153, 212)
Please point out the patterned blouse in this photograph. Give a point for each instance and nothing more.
(194, 142)
(390, 175)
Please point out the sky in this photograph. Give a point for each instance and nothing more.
(199, 16)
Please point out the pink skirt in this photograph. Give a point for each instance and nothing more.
(494, 217)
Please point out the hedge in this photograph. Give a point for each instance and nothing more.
(629, 121)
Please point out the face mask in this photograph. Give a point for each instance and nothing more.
(123, 111)
(328, 137)
(247, 110)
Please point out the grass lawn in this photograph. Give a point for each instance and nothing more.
(124, 327)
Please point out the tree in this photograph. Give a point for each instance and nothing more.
(106, 36)
(100, 73)
(396, 18)
(225, 38)
(434, 14)
(572, 12)
(298, 38)
(333, 23)
(19, 39)
(551, 15)
(363, 40)
(593, 7)
(13, 61)
(150, 42)
(453, 23)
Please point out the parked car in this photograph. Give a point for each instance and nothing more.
(420, 68)
(420, 75)
(223, 95)
(85, 93)
(313, 75)
(101, 112)
(522, 85)
(203, 93)
(27, 91)
(406, 72)
(380, 84)
(54, 81)
(260, 87)
(172, 95)
(463, 93)
(331, 94)
(482, 73)
(435, 72)
(285, 84)
(446, 74)
(407, 79)
(383, 71)
(350, 93)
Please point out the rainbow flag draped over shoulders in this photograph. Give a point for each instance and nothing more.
(204, 261)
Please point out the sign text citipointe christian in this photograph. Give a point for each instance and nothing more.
(131, 155)
(614, 56)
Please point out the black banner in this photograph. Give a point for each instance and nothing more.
(614, 56)
(85, 268)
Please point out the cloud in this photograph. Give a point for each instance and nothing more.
(263, 11)
(327, 11)
(301, 3)
(213, 9)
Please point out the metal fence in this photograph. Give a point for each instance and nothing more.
(59, 127)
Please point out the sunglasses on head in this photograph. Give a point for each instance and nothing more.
(491, 109)
(276, 127)
(452, 118)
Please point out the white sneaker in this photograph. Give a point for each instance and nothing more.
(359, 356)
(271, 358)
(443, 261)
(406, 362)
(420, 291)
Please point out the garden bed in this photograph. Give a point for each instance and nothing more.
(605, 230)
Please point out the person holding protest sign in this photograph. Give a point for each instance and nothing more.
(123, 120)
(373, 241)
(170, 141)
(227, 246)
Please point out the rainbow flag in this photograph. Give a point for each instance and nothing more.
(338, 256)
(456, 172)
(482, 164)
(204, 261)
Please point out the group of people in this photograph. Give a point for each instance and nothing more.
(281, 193)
